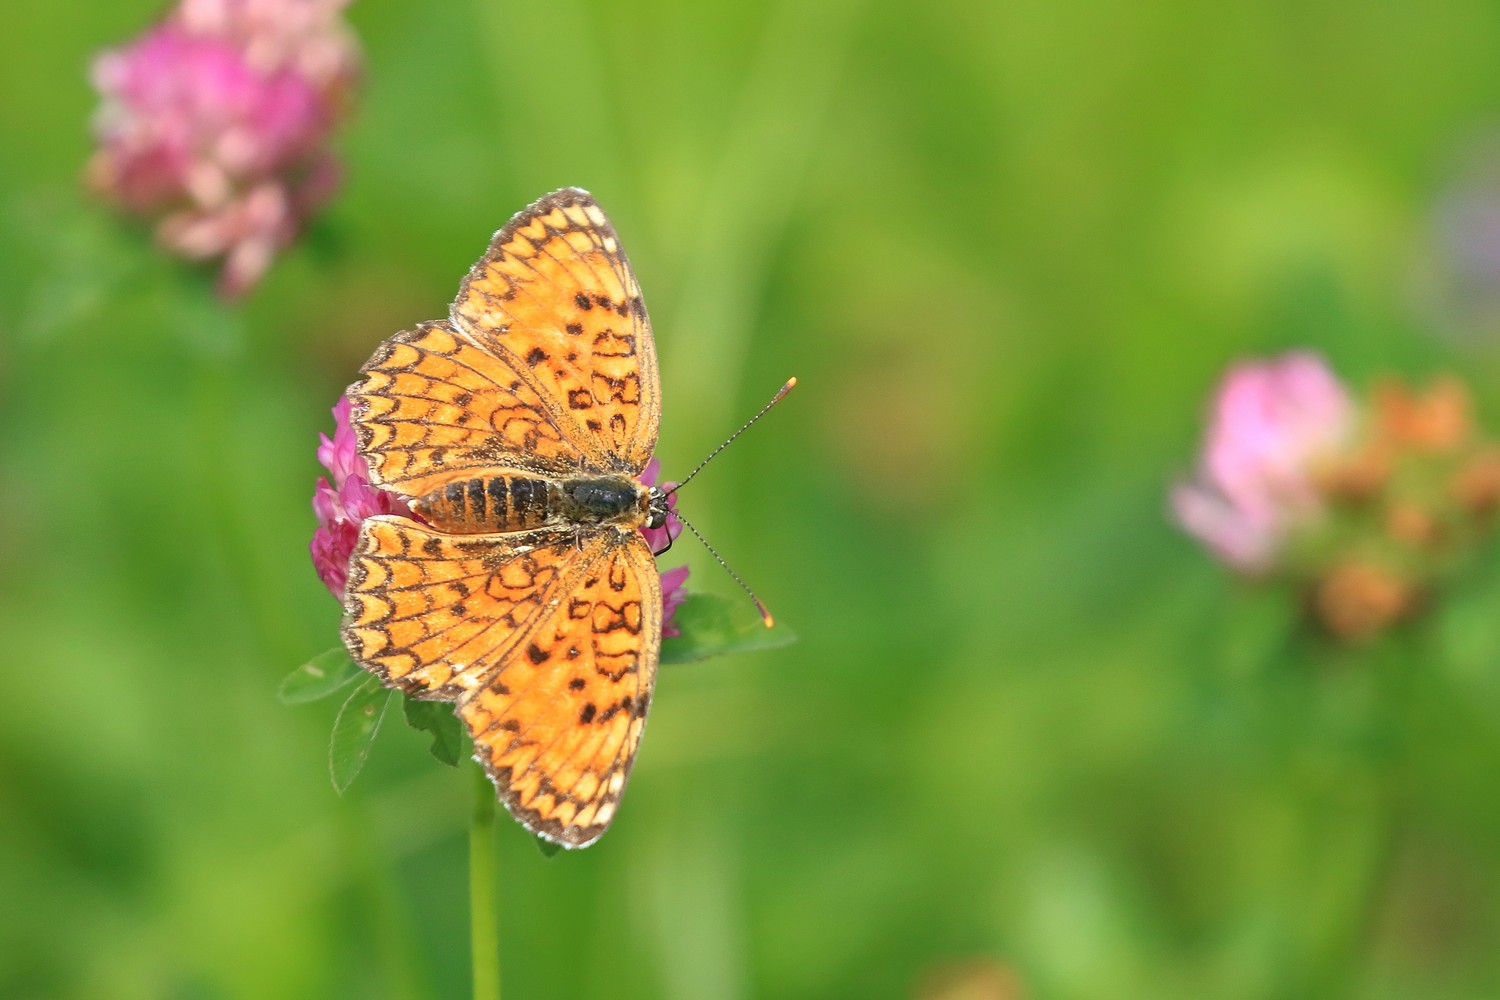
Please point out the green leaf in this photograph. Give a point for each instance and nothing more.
(712, 625)
(547, 847)
(354, 731)
(437, 719)
(319, 677)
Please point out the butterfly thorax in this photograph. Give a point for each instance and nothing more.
(520, 502)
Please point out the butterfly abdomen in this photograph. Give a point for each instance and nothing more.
(520, 503)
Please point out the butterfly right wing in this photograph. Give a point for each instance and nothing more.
(547, 641)
(434, 614)
(433, 407)
(557, 731)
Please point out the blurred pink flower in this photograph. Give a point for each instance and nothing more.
(214, 122)
(1271, 423)
(343, 503)
(673, 593)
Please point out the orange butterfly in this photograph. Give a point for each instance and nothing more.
(520, 427)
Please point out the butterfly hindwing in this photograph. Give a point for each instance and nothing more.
(432, 407)
(436, 614)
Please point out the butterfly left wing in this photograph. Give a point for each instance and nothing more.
(432, 407)
(548, 646)
(555, 297)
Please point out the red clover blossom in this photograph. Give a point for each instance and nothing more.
(215, 123)
(1367, 508)
(1271, 424)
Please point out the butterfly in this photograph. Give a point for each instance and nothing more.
(526, 593)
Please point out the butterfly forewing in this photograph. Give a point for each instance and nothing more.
(556, 297)
(559, 726)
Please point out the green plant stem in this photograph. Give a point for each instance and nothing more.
(484, 929)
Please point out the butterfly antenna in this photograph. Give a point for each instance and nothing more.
(790, 383)
(765, 615)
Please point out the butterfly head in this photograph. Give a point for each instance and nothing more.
(656, 507)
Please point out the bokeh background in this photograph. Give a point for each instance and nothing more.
(1028, 727)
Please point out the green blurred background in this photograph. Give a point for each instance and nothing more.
(1007, 248)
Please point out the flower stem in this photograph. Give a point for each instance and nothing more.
(484, 929)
